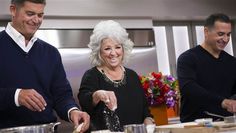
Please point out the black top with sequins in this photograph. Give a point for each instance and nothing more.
(132, 107)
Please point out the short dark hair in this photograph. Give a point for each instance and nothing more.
(21, 2)
(210, 21)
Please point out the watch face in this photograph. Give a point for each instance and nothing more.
(111, 120)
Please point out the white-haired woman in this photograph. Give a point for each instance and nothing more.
(109, 85)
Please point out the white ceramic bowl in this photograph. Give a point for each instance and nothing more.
(204, 121)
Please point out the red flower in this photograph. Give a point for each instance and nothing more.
(157, 75)
(159, 89)
(145, 85)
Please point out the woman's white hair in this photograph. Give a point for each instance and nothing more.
(113, 30)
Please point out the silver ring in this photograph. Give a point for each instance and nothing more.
(107, 101)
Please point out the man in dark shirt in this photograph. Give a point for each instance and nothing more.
(207, 74)
(32, 78)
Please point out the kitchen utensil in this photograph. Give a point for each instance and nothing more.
(101, 131)
(78, 128)
(150, 128)
(135, 128)
(42, 128)
(227, 119)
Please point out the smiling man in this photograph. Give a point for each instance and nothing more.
(32, 78)
(207, 74)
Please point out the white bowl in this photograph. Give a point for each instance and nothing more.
(204, 121)
(150, 128)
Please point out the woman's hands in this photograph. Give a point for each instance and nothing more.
(108, 97)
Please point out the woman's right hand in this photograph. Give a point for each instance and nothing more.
(108, 97)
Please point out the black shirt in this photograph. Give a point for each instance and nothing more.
(204, 82)
(132, 107)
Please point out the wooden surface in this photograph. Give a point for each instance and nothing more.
(193, 127)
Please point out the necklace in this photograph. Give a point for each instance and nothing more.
(115, 83)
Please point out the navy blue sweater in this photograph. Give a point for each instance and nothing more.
(41, 69)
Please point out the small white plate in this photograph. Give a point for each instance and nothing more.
(204, 121)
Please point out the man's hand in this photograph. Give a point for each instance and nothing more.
(32, 100)
(78, 118)
(229, 104)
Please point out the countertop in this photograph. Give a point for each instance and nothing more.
(194, 127)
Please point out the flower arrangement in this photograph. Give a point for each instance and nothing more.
(160, 89)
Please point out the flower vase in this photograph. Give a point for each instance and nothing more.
(159, 113)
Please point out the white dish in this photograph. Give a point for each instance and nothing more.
(204, 121)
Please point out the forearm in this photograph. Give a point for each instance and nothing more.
(96, 99)
(7, 98)
(199, 95)
(86, 100)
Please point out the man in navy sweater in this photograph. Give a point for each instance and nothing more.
(32, 78)
(207, 74)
